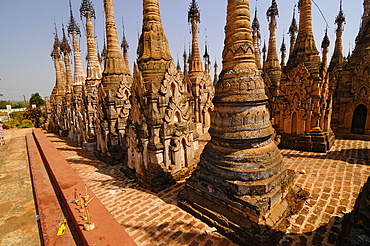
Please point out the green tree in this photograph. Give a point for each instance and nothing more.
(4, 103)
(36, 99)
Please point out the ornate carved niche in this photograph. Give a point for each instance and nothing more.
(360, 82)
(174, 88)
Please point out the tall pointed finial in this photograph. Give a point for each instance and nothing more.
(72, 25)
(256, 24)
(87, 8)
(193, 19)
(64, 46)
(264, 50)
(55, 53)
(337, 57)
(178, 67)
(272, 60)
(194, 12)
(207, 61)
(185, 61)
(256, 37)
(215, 74)
(125, 46)
(293, 29)
(324, 46)
(124, 43)
(283, 52)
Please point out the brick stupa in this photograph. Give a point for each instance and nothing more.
(241, 185)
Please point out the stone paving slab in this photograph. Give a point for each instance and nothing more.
(18, 225)
(334, 181)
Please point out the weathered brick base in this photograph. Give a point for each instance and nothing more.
(316, 140)
(248, 220)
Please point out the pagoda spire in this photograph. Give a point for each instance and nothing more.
(215, 75)
(264, 50)
(185, 61)
(94, 71)
(325, 49)
(256, 37)
(178, 67)
(283, 52)
(271, 66)
(272, 60)
(56, 55)
(207, 62)
(338, 58)
(79, 76)
(241, 149)
(66, 50)
(305, 47)
(293, 29)
(194, 18)
(153, 48)
(125, 47)
(113, 61)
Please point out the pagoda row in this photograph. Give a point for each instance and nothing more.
(152, 121)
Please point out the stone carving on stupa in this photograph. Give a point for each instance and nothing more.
(303, 104)
(78, 112)
(113, 96)
(241, 185)
(93, 75)
(160, 131)
(350, 79)
(199, 80)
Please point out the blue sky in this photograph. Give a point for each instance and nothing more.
(27, 27)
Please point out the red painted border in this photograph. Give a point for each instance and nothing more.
(107, 230)
(48, 207)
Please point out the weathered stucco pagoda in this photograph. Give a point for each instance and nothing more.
(271, 66)
(160, 133)
(302, 108)
(350, 79)
(199, 80)
(113, 96)
(78, 112)
(93, 75)
(241, 185)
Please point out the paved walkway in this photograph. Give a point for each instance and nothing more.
(18, 225)
(333, 180)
